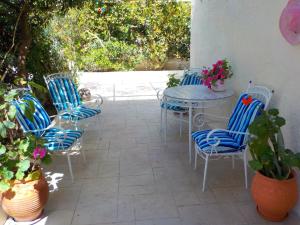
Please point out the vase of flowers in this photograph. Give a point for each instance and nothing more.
(214, 78)
(23, 187)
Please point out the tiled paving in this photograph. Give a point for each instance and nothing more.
(133, 178)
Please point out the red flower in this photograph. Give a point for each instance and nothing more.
(247, 100)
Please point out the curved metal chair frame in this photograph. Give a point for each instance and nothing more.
(57, 137)
(259, 92)
(71, 109)
(159, 96)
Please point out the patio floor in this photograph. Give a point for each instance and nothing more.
(133, 178)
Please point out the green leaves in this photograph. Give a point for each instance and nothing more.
(2, 149)
(35, 175)
(255, 165)
(267, 146)
(4, 186)
(8, 124)
(12, 112)
(173, 81)
(24, 165)
(20, 174)
(2, 130)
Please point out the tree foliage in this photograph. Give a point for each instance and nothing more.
(22, 25)
(123, 34)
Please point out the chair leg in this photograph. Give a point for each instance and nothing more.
(196, 154)
(166, 124)
(161, 117)
(70, 167)
(205, 173)
(180, 124)
(82, 151)
(246, 169)
(233, 162)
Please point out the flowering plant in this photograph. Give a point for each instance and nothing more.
(20, 154)
(220, 71)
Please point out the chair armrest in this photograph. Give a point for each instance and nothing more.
(41, 130)
(98, 100)
(210, 115)
(217, 140)
(159, 95)
(199, 118)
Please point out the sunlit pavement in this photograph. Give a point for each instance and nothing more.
(132, 177)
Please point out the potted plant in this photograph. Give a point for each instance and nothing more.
(23, 188)
(214, 78)
(173, 81)
(274, 186)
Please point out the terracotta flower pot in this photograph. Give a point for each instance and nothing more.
(274, 198)
(25, 201)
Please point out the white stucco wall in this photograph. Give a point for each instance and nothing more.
(247, 33)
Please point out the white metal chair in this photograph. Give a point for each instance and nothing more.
(57, 139)
(191, 77)
(66, 98)
(233, 140)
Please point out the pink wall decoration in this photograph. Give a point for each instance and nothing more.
(290, 22)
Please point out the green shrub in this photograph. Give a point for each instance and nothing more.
(114, 55)
(125, 34)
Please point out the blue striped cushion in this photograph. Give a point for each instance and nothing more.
(80, 112)
(227, 143)
(173, 107)
(41, 119)
(63, 91)
(51, 136)
(241, 118)
(191, 79)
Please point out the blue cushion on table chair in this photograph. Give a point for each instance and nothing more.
(191, 78)
(173, 107)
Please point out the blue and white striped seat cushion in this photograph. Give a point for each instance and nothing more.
(191, 79)
(173, 107)
(80, 112)
(58, 139)
(227, 143)
(63, 91)
(241, 118)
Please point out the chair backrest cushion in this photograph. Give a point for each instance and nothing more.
(191, 78)
(63, 91)
(242, 116)
(41, 119)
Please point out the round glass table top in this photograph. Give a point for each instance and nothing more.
(194, 93)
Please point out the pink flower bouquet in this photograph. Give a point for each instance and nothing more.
(220, 71)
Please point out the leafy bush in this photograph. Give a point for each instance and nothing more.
(115, 55)
(123, 34)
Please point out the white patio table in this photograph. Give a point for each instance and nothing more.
(191, 96)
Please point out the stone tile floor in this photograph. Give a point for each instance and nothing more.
(133, 178)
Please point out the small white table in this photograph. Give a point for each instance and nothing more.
(192, 96)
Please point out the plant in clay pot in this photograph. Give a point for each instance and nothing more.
(24, 190)
(214, 78)
(274, 186)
